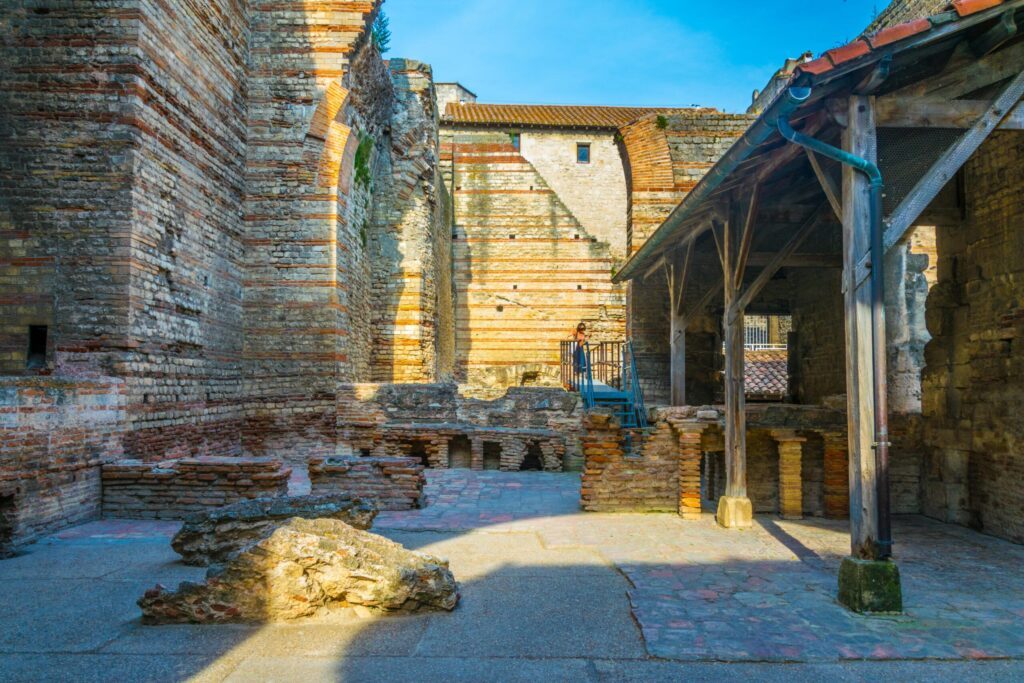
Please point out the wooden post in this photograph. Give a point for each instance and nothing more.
(678, 360)
(859, 138)
(677, 271)
(734, 508)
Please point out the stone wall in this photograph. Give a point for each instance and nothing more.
(410, 242)
(389, 483)
(640, 474)
(796, 462)
(526, 270)
(667, 154)
(525, 428)
(54, 436)
(173, 489)
(973, 383)
(594, 192)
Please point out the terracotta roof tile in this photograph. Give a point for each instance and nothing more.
(766, 374)
(893, 34)
(857, 48)
(897, 33)
(557, 116)
(968, 7)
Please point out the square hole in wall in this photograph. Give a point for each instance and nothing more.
(579, 287)
(511, 237)
(515, 286)
(575, 237)
(499, 308)
(37, 346)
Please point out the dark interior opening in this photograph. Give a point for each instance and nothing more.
(37, 346)
(6, 522)
(365, 452)
(460, 453)
(492, 455)
(418, 449)
(534, 460)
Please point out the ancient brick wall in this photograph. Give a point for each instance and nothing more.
(594, 192)
(638, 476)
(183, 361)
(430, 420)
(54, 436)
(389, 483)
(667, 154)
(319, 99)
(900, 11)
(67, 153)
(174, 489)
(410, 242)
(973, 384)
(526, 270)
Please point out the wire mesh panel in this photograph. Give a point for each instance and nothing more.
(906, 154)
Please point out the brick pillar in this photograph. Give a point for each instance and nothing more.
(690, 453)
(441, 454)
(476, 454)
(837, 477)
(791, 452)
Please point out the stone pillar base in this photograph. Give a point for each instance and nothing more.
(870, 586)
(735, 513)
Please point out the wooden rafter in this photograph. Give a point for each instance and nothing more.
(944, 168)
(827, 186)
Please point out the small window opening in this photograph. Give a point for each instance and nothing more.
(460, 452)
(516, 140)
(455, 235)
(579, 287)
(499, 308)
(515, 286)
(575, 237)
(492, 455)
(418, 450)
(583, 153)
(365, 452)
(37, 346)
(511, 237)
(534, 460)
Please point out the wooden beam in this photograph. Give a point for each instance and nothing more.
(747, 236)
(766, 274)
(827, 186)
(860, 139)
(966, 73)
(759, 259)
(929, 112)
(683, 277)
(704, 301)
(735, 391)
(944, 168)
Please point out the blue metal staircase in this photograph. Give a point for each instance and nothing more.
(605, 376)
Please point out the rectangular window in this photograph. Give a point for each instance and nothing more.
(515, 140)
(583, 153)
(37, 346)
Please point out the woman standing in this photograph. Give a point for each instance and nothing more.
(580, 336)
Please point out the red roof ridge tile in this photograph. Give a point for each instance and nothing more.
(888, 36)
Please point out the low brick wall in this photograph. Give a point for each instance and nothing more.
(173, 489)
(644, 480)
(391, 483)
(55, 433)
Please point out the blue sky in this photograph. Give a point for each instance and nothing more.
(618, 52)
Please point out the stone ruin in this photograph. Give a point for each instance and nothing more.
(210, 537)
(305, 567)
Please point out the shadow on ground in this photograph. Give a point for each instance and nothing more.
(548, 593)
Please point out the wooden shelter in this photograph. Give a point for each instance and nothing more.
(903, 109)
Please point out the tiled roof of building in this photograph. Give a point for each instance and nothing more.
(554, 116)
(887, 36)
(766, 374)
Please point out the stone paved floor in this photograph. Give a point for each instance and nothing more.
(548, 594)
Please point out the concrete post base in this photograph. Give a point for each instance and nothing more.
(735, 513)
(870, 586)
